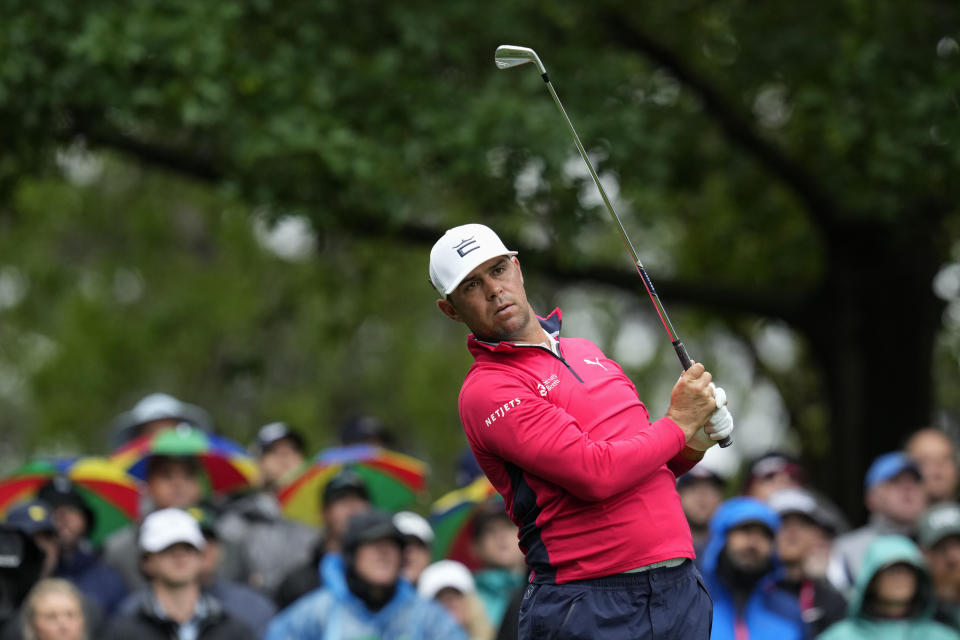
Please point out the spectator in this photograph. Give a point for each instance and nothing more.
(365, 429)
(803, 546)
(53, 610)
(468, 469)
(894, 499)
(171, 482)
(771, 472)
(936, 456)
(363, 595)
(502, 568)
(892, 598)
(417, 544)
(254, 523)
(701, 492)
(77, 560)
(450, 583)
(240, 601)
(739, 568)
(154, 412)
(344, 496)
(939, 538)
(175, 607)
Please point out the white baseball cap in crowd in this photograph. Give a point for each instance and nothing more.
(460, 251)
(164, 528)
(414, 525)
(445, 574)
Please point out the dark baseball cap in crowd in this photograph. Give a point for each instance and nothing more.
(345, 483)
(61, 492)
(273, 432)
(31, 517)
(803, 502)
(888, 465)
(364, 429)
(370, 526)
(701, 473)
(468, 469)
(938, 523)
(775, 462)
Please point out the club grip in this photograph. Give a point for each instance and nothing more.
(686, 362)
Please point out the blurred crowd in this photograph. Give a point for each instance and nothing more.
(778, 558)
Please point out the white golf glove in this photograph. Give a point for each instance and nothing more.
(720, 423)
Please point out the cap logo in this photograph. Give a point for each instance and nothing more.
(37, 513)
(465, 246)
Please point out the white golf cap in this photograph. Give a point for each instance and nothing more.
(445, 574)
(414, 525)
(460, 251)
(164, 528)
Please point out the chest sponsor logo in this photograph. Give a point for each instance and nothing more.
(548, 384)
(502, 411)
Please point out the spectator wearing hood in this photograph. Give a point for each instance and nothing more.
(502, 569)
(254, 523)
(175, 605)
(154, 412)
(363, 594)
(892, 597)
(740, 569)
(807, 527)
(76, 559)
(939, 538)
(895, 499)
(344, 496)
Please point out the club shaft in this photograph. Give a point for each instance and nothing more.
(678, 347)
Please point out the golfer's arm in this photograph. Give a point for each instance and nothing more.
(547, 442)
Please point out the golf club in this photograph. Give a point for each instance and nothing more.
(508, 56)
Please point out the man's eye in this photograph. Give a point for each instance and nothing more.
(499, 270)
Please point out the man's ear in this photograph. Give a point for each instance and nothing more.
(448, 310)
(516, 262)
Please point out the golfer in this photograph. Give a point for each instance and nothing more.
(590, 481)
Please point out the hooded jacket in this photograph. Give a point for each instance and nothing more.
(769, 612)
(883, 552)
(335, 613)
(586, 476)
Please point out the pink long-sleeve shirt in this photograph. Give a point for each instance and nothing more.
(590, 481)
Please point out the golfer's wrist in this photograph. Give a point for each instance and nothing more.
(690, 453)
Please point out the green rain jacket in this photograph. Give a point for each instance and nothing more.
(883, 552)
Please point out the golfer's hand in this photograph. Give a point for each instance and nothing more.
(718, 427)
(691, 401)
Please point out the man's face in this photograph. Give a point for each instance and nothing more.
(798, 538)
(894, 589)
(935, 455)
(173, 483)
(337, 514)
(901, 498)
(496, 546)
(176, 566)
(280, 460)
(71, 524)
(749, 547)
(378, 562)
(491, 301)
(944, 561)
(699, 500)
(57, 616)
(456, 604)
(416, 558)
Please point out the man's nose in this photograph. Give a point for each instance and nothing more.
(492, 288)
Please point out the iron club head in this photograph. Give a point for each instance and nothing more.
(509, 55)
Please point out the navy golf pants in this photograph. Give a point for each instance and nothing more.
(663, 604)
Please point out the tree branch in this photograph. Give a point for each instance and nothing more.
(821, 207)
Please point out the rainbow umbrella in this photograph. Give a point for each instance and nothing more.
(227, 465)
(394, 480)
(108, 491)
(451, 517)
